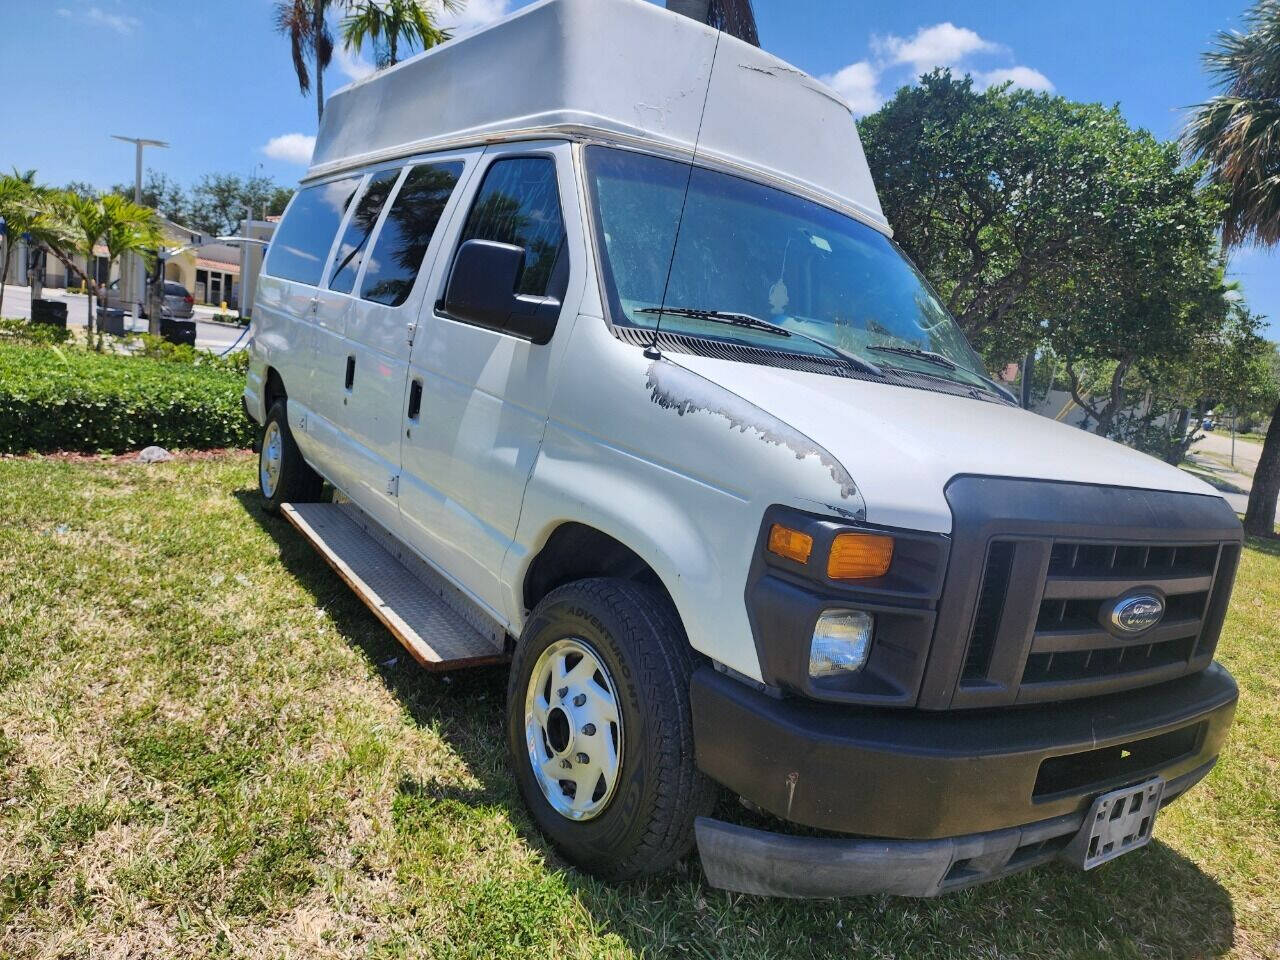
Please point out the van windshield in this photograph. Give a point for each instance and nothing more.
(748, 249)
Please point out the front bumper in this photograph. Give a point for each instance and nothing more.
(951, 798)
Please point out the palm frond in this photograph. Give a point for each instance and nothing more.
(1237, 133)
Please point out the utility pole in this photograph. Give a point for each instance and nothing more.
(135, 269)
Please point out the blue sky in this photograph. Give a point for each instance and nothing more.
(217, 83)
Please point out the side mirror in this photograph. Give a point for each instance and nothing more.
(482, 288)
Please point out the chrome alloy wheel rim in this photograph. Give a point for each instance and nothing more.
(270, 459)
(573, 729)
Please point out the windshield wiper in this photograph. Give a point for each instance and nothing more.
(928, 356)
(938, 359)
(755, 323)
(722, 316)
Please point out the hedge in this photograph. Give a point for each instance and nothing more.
(71, 398)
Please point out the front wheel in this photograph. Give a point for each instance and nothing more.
(599, 728)
(283, 476)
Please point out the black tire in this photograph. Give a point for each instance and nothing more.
(295, 482)
(647, 824)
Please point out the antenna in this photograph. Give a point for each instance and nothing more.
(652, 350)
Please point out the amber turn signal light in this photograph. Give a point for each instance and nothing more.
(859, 556)
(789, 543)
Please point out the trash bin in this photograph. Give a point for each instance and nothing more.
(112, 322)
(52, 312)
(178, 331)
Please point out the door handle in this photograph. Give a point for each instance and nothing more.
(351, 372)
(415, 399)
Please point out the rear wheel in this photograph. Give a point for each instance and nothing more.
(599, 728)
(283, 476)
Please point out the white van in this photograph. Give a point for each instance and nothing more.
(593, 325)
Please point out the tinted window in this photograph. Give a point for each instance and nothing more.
(352, 246)
(519, 203)
(406, 233)
(302, 240)
(175, 289)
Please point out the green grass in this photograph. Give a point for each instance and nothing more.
(209, 748)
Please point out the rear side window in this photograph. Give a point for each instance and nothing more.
(519, 203)
(406, 233)
(302, 241)
(355, 239)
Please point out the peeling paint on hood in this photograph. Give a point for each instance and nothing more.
(673, 387)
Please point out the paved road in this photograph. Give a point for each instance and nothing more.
(209, 336)
(1217, 446)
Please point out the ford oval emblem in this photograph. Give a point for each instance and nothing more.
(1135, 614)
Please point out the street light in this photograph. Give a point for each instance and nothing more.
(153, 324)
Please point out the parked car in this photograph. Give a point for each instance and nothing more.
(178, 302)
(615, 373)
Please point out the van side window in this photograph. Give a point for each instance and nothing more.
(519, 203)
(351, 248)
(303, 239)
(402, 243)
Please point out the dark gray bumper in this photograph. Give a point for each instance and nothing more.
(777, 865)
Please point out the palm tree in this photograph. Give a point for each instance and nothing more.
(1238, 133)
(121, 225)
(387, 22)
(303, 22)
(27, 211)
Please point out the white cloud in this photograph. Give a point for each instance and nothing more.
(857, 84)
(120, 23)
(1020, 77)
(291, 148)
(349, 63)
(64, 13)
(941, 45)
(474, 14)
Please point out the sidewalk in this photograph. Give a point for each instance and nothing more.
(210, 334)
(1232, 484)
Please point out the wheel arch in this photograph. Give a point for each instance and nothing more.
(272, 388)
(575, 551)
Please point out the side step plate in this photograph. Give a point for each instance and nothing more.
(435, 634)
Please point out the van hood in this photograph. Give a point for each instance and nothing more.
(902, 445)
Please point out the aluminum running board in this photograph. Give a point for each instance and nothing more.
(402, 595)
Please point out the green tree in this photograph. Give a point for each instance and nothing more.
(27, 210)
(303, 22)
(1151, 293)
(1238, 133)
(161, 193)
(219, 201)
(997, 195)
(1045, 222)
(387, 23)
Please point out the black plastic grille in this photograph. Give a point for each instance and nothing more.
(1069, 665)
(1051, 639)
(1077, 771)
(1117, 559)
(986, 620)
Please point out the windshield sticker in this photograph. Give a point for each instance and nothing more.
(672, 387)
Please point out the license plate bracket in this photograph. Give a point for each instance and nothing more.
(1118, 822)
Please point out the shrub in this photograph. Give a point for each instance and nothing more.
(24, 331)
(158, 348)
(70, 398)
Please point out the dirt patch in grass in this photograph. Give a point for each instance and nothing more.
(209, 748)
(71, 456)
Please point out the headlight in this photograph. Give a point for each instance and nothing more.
(841, 642)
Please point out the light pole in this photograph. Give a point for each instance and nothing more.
(135, 262)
